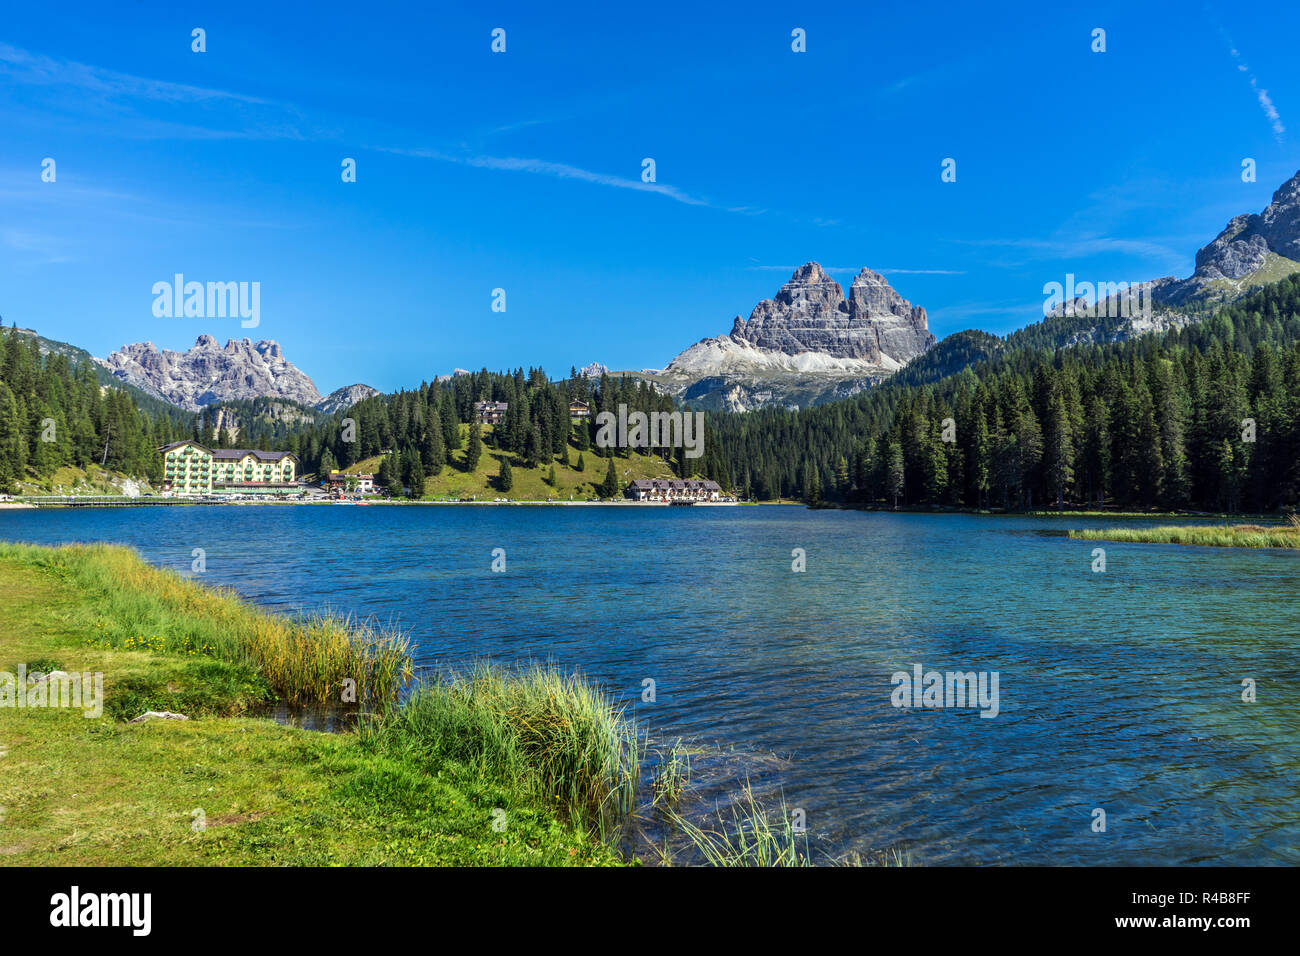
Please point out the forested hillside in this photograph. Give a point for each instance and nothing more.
(1161, 420)
(54, 412)
(1204, 417)
(417, 429)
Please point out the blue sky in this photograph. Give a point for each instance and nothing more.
(522, 170)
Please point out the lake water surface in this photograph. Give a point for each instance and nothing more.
(1120, 690)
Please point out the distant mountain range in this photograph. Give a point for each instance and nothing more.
(233, 385)
(210, 373)
(808, 344)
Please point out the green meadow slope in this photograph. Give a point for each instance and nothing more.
(529, 484)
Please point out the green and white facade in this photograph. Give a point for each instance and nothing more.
(193, 469)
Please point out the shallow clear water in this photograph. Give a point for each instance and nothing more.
(1119, 691)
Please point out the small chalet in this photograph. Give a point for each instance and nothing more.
(361, 484)
(579, 410)
(490, 413)
(658, 489)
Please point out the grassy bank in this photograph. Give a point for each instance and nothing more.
(1211, 536)
(485, 768)
(556, 736)
(488, 770)
(131, 604)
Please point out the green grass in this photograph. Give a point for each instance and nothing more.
(1274, 269)
(555, 735)
(78, 791)
(1210, 536)
(134, 605)
(752, 836)
(68, 480)
(672, 778)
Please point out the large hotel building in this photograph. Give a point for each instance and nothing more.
(193, 469)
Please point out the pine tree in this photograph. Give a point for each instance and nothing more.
(506, 479)
(536, 452)
(1058, 457)
(389, 478)
(474, 451)
(413, 472)
(842, 482)
(433, 453)
(894, 487)
(610, 487)
(450, 424)
(812, 485)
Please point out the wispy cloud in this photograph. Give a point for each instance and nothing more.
(80, 88)
(1265, 102)
(542, 167)
(36, 69)
(1079, 247)
(1261, 94)
(162, 109)
(40, 249)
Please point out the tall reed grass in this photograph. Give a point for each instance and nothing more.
(1212, 536)
(307, 660)
(555, 734)
(753, 836)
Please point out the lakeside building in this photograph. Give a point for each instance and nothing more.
(658, 489)
(579, 410)
(363, 484)
(491, 413)
(193, 469)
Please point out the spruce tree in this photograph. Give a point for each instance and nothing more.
(894, 476)
(536, 448)
(610, 487)
(433, 453)
(474, 452)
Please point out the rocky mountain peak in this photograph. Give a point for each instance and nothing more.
(1245, 242)
(811, 314)
(344, 398)
(806, 343)
(209, 372)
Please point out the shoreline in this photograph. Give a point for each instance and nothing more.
(173, 767)
(193, 792)
(99, 502)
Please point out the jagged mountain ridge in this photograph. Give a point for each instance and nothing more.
(799, 349)
(810, 342)
(1252, 250)
(209, 373)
